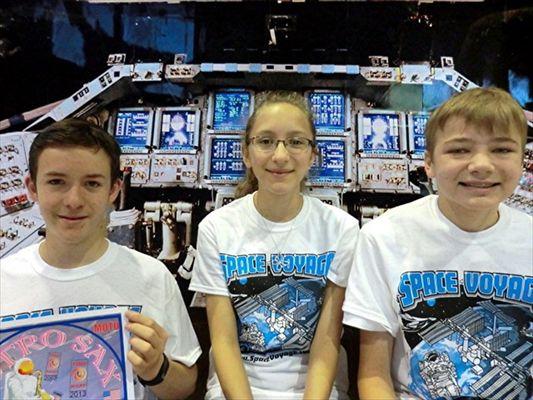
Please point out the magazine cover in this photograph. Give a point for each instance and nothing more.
(76, 356)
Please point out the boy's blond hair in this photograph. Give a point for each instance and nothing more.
(492, 109)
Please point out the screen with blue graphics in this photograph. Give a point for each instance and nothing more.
(231, 110)
(332, 168)
(225, 162)
(380, 133)
(328, 111)
(179, 129)
(133, 128)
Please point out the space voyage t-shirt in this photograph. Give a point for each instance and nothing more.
(459, 304)
(275, 275)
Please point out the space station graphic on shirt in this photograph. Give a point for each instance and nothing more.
(470, 333)
(277, 300)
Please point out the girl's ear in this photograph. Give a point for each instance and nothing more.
(246, 157)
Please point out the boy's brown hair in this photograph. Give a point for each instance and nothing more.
(75, 133)
(492, 109)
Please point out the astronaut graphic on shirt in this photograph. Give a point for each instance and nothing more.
(277, 299)
(470, 334)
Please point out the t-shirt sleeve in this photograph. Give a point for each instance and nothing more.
(345, 254)
(208, 274)
(368, 304)
(182, 344)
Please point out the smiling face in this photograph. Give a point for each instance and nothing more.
(279, 173)
(475, 170)
(74, 190)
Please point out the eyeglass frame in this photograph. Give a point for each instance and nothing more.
(310, 143)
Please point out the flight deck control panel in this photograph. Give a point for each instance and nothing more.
(364, 148)
(358, 149)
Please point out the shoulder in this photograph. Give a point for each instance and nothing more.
(519, 220)
(231, 212)
(134, 259)
(406, 217)
(143, 276)
(22, 256)
(414, 209)
(143, 268)
(329, 213)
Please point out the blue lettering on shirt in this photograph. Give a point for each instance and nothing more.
(416, 286)
(287, 264)
(508, 287)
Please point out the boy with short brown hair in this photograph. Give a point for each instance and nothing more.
(74, 178)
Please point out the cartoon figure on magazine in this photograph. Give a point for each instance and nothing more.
(23, 383)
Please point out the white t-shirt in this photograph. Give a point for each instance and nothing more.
(457, 303)
(275, 275)
(122, 277)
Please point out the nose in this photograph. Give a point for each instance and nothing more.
(73, 198)
(280, 152)
(481, 163)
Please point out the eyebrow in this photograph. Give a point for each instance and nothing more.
(289, 134)
(61, 175)
(505, 139)
(498, 139)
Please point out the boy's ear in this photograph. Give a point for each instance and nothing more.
(32, 188)
(115, 190)
(428, 165)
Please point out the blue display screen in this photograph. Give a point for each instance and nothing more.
(231, 110)
(178, 130)
(132, 128)
(226, 160)
(333, 157)
(328, 111)
(417, 129)
(381, 133)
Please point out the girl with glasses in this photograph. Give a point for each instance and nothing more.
(273, 265)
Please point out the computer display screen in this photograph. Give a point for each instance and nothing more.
(332, 172)
(417, 128)
(225, 159)
(379, 133)
(231, 109)
(328, 111)
(178, 129)
(133, 128)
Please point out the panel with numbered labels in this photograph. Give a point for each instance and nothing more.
(330, 113)
(223, 163)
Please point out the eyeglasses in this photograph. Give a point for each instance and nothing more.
(293, 145)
